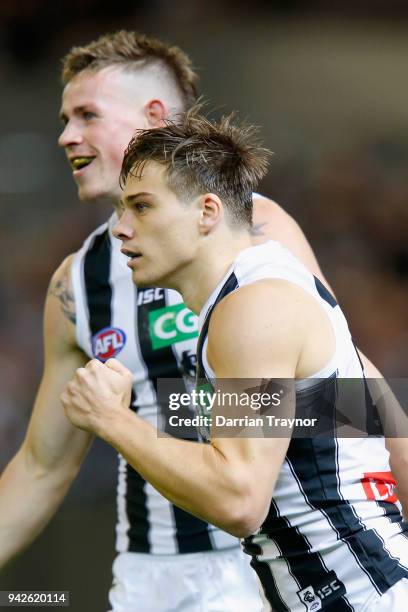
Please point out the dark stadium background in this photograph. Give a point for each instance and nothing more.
(328, 83)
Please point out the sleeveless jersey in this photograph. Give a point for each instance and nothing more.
(334, 534)
(154, 335)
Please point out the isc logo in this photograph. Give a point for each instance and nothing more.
(326, 594)
(147, 296)
(171, 325)
(328, 589)
(108, 343)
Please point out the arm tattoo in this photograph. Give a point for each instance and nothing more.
(256, 229)
(61, 290)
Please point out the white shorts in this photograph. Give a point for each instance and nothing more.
(213, 581)
(393, 600)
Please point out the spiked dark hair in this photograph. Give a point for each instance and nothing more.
(224, 158)
(134, 51)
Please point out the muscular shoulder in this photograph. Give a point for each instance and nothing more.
(253, 325)
(270, 328)
(260, 301)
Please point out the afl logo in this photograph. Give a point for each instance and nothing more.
(108, 342)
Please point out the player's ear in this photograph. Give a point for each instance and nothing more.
(156, 112)
(210, 212)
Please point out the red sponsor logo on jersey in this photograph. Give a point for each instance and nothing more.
(108, 343)
(379, 486)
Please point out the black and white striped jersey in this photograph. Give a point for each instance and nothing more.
(154, 335)
(334, 534)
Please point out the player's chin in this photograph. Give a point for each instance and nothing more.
(87, 194)
(142, 278)
(93, 194)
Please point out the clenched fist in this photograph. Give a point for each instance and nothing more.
(97, 395)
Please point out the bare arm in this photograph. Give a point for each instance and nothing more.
(390, 410)
(37, 478)
(224, 482)
(398, 449)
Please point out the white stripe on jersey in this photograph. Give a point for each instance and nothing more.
(122, 525)
(162, 528)
(280, 569)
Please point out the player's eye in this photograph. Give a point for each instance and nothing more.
(88, 115)
(141, 207)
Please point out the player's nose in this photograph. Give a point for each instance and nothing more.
(123, 229)
(70, 135)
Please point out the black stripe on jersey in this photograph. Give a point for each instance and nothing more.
(306, 567)
(269, 587)
(230, 284)
(97, 286)
(373, 422)
(391, 512)
(97, 265)
(316, 465)
(265, 575)
(191, 533)
(373, 425)
(324, 293)
(136, 510)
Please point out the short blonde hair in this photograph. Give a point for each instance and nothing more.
(134, 51)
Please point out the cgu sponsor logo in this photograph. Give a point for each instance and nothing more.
(172, 324)
(108, 342)
(379, 486)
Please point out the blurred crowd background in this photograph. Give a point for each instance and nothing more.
(326, 81)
